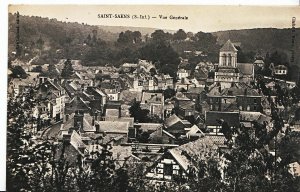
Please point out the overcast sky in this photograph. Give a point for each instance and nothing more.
(200, 18)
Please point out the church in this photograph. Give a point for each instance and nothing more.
(229, 72)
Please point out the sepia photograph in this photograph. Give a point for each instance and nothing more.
(152, 98)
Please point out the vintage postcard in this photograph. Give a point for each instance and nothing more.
(130, 98)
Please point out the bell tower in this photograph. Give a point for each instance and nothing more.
(227, 72)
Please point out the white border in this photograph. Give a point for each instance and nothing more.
(4, 45)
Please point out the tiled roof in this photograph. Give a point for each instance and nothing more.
(196, 90)
(148, 126)
(127, 96)
(152, 98)
(186, 155)
(194, 129)
(186, 104)
(200, 74)
(113, 126)
(228, 46)
(232, 118)
(112, 112)
(77, 143)
(172, 120)
(249, 115)
(130, 120)
(87, 123)
(280, 67)
(238, 91)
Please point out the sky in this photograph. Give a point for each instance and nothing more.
(200, 17)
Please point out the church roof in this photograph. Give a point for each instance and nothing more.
(228, 46)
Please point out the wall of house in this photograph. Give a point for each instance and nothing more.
(165, 169)
(249, 103)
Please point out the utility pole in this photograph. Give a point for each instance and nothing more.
(18, 50)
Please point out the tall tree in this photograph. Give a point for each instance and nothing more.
(180, 35)
(68, 70)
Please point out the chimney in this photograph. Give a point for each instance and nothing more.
(97, 128)
(78, 120)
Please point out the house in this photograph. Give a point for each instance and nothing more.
(110, 89)
(181, 161)
(185, 108)
(97, 98)
(18, 86)
(259, 62)
(176, 126)
(162, 136)
(238, 97)
(79, 103)
(183, 84)
(154, 102)
(182, 73)
(294, 169)
(139, 82)
(280, 70)
(53, 96)
(129, 67)
(214, 119)
(163, 82)
(113, 130)
(78, 121)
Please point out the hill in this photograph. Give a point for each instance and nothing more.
(262, 39)
(118, 29)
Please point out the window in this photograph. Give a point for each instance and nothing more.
(168, 169)
(229, 59)
(248, 108)
(224, 59)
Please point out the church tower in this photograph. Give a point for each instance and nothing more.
(227, 72)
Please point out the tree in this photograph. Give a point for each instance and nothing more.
(137, 37)
(159, 36)
(68, 70)
(140, 115)
(18, 72)
(169, 93)
(180, 35)
(127, 37)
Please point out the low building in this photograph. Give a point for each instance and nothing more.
(214, 119)
(154, 102)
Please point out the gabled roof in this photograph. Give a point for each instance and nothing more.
(77, 143)
(280, 67)
(194, 130)
(239, 91)
(232, 118)
(172, 120)
(228, 46)
(186, 104)
(87, 123)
